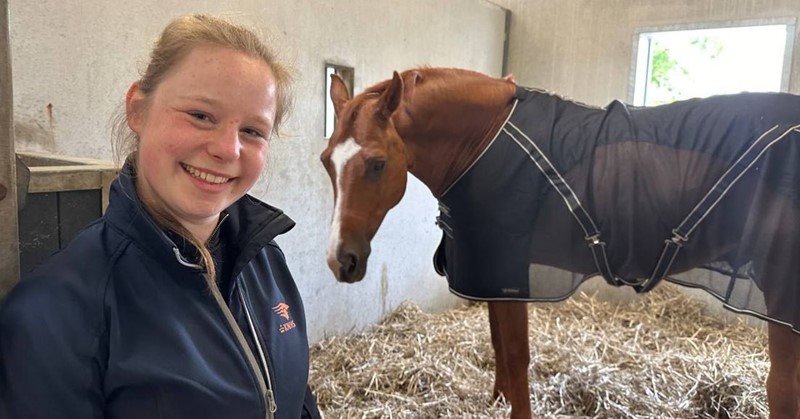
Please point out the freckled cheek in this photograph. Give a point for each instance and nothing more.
(254, 164)
(176, 137)
(148, 164)
(258, 155)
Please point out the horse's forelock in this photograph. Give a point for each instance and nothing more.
(349, 118)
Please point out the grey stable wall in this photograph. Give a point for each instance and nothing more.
(73, 60)
(583, 48)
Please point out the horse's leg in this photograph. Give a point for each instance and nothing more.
(500, 366)
(783, 382)
(775, 261)
(509, 326)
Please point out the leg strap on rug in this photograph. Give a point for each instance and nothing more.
(591, 233)
(680, 235)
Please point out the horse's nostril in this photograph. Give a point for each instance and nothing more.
(348, 262)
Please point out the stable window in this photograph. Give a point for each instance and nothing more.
(348, 75)
(681, 63)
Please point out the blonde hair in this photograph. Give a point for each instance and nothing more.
(173, 45)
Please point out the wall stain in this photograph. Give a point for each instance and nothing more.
(50, 119)
(30, 134)
(384, 288)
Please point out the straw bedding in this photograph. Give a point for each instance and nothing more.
(659, 356)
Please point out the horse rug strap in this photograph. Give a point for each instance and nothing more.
(584, 220)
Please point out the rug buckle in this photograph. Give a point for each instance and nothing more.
(593, 240)
(678, 238)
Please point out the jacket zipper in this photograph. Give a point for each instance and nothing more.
(273, 406)
(264, 381)
(265, 390)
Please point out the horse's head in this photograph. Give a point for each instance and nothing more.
(367, 164)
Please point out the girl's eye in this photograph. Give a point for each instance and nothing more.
(253, 132)
(200, 116)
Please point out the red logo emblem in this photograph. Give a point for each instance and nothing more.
(282, 309)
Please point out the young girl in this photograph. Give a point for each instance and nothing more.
(177, 303)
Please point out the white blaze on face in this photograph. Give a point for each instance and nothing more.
(340, 156)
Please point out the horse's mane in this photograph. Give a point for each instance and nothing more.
(429, 74)
(440, 80)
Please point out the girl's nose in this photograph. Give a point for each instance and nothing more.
(227, 144)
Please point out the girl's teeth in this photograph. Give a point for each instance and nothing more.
(207, 177)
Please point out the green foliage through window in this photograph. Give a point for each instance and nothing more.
(680, 64)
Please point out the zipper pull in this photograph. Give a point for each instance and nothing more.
(273, 407)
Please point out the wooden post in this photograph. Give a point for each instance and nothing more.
(9, 236)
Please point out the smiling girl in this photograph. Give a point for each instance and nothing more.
(177, 303)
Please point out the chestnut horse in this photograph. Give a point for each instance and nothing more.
(441, 125)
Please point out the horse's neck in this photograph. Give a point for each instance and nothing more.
(452, 137)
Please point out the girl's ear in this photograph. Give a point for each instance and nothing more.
(134, 105)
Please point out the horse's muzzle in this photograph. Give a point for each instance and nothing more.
(349, 264)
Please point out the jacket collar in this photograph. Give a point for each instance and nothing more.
(249, 226)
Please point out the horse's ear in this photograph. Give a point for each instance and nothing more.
(409, 83)
(339, 93)
(390, 99)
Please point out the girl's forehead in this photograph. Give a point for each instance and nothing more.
(226, 76)
(211, 61)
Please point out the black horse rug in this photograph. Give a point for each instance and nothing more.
(567, 191)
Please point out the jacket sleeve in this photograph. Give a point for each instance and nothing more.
(310, 410)
(48, 367)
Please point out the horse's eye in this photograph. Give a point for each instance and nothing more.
(378, 166)
(374, 168)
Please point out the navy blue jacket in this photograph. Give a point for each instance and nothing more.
(121, 324)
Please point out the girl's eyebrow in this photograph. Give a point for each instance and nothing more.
(200, 98)
(262, 119)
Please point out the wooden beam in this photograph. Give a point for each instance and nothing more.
(52, 173)
(9, 235)
(67, 178)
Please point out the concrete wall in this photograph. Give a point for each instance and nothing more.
(583, 48)
(73, 60)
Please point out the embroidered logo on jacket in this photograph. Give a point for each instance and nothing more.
(282, 309)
